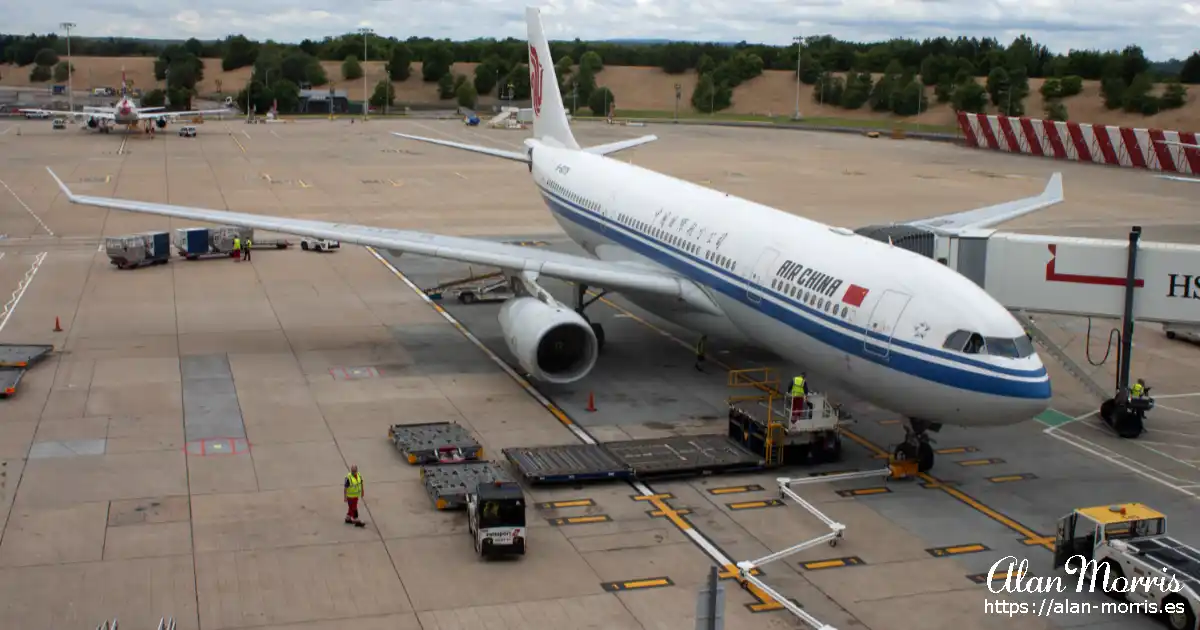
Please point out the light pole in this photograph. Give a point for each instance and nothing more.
(678, 91)
(70, 92)
(365, 31)
(797, 39)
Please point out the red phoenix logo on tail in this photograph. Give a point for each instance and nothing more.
(535, 80)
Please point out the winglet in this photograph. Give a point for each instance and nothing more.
(66, 191)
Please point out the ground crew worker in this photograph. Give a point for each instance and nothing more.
(246, 248)
(354, 491)
(237, 248)
(1138, 390)
(798, 394)
(700, 351)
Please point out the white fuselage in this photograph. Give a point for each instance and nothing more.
(782, 282)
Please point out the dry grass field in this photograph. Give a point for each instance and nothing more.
(636, 88)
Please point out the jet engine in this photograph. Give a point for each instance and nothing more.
(161, 122)
(93, 123)
(551, 342)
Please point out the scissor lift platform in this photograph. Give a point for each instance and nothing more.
(15, 359)
(435, 442)
(654, 458)
(448, 484)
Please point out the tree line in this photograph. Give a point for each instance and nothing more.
(840, 71)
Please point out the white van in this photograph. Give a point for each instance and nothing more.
(187, 132)
(1188, 332)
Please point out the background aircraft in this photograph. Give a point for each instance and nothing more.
(126, 113)
(888, 325)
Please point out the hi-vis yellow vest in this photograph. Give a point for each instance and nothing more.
(798, 386)
(356, 483)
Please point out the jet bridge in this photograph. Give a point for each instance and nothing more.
(1064, 275)
(1088, 277)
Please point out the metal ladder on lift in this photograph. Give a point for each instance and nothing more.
(164, 623)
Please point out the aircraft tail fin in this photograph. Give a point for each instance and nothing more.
(549, 116)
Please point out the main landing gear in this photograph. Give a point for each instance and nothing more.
(581, 302)
(917, 444)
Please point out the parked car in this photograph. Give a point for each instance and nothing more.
(187, 132)
(1189, 332)
(60, 123)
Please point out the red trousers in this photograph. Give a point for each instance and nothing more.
(352, 508)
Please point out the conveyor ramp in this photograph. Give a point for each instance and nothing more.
(654, 458)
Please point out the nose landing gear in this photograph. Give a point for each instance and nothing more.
(917, 444)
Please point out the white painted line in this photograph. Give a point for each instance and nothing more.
(1188, 413)
(1179, 433)
(1142, 444)
(246, 134)
(1191, 395)
(274, 134)
(8, 129)
(1115, 459)
(27, 208)
(11, 306)
(460, 174)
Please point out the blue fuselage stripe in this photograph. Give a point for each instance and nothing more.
(704, 272)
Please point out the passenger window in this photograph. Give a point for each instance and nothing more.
(975, 345)
(956, 340)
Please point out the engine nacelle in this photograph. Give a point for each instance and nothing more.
(553, 344)
(93, 123)
(161, 122)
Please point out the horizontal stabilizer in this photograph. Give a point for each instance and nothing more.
(500, 153)
(613, 147)
(980, 218)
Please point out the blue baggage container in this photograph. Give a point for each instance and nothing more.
(160, 245)
(192, 241)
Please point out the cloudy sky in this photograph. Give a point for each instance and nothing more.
(1164, 28)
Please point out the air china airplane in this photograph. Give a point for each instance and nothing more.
(888, 325)
(126, 113)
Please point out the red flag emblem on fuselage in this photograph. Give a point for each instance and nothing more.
(855, 295)
(535, 80)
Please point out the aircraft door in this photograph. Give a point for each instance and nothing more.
(1064, 539)
(882, 324)
(760, 273)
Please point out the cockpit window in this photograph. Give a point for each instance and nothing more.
(957, 340)
(969, 342)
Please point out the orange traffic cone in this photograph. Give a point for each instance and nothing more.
(591, 401)
(57, 327)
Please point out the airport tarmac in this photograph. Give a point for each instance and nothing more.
(120, 501)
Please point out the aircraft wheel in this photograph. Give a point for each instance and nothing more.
(304, 245)
(924, 457)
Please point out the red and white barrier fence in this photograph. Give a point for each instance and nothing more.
(1102, 144)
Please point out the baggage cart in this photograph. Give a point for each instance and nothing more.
(138, 250)
(449, 484)
(435, 443)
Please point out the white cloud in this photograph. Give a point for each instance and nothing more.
(1164, 28)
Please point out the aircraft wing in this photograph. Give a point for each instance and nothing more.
(597, 273)
(143, 115)
(54, 112)
(989, 216)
